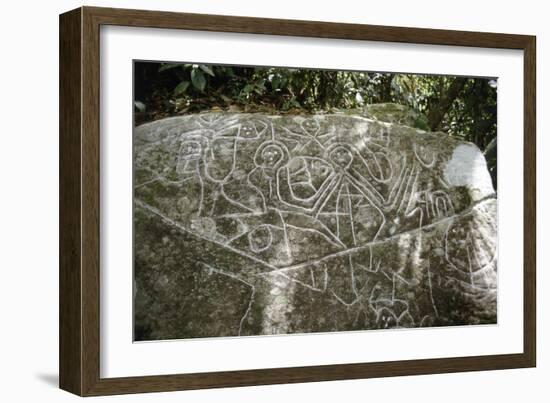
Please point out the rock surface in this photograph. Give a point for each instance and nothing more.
(249, 224)
(396, 113)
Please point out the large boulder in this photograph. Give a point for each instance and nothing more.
(250, 224)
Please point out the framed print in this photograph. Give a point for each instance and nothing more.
(249, 201)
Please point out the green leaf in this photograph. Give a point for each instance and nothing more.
(259, 89)
(226, 99)
(248, 88)
(206, 69)
(229, 71)
(167, 66)
(198, 79)
(181, 87)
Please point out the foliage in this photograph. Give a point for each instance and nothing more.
(462, 107)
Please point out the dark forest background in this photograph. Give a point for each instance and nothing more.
(462, 107)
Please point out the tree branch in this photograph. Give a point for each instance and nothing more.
(436, 115)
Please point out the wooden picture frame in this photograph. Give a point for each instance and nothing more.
(79, 201)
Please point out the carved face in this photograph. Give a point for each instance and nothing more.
(342, 157)
(190, 150)
(311, 126)
(248, 130)
(271, 156)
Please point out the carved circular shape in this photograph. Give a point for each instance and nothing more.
(341, 156)
(270, 155)
(260, 238)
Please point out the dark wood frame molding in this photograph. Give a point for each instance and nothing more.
(79, 201)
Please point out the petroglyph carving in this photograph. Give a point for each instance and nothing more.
(306, 224)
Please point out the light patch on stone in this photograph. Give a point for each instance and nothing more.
(467, 167)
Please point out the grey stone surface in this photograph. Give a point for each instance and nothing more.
(396, 113)
(249, 224)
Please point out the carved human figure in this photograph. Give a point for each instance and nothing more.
(268, 158)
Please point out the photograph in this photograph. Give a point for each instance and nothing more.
(274, 200)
